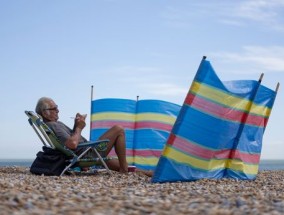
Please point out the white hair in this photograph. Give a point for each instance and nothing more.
(42, 104)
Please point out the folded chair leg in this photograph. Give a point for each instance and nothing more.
(66, 168)
(102, 160)
(75, 160)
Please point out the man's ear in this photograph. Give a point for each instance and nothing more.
(44, 114)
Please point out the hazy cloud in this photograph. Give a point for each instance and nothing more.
(152, 80)
(269, 58)
(266, 12)
(237, 13)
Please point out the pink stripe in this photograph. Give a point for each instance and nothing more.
(153, 125)
(224, 112)
(109, 124)
(129, 153)
(208, 154)
(142, 153)
(130, 125)
(148, 153)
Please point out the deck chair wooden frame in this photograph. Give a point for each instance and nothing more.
(49, 139)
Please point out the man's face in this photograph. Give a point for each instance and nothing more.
(51, 113)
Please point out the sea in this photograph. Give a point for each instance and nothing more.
(263, 165)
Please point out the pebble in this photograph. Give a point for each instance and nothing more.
(132, 193)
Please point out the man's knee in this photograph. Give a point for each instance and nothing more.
(118, 129)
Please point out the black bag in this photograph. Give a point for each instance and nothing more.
(49, 162)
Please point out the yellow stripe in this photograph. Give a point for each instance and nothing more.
(213, 164)
(129, 159)
(152, 161)
(120, 116)
(260, 110)
(241, 166)
(156, 117)
(226, 99)
(113, 116)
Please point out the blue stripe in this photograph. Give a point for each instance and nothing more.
(251, 140)
(158, 106)
(145, 138)
(239, 175)
(96, 133)
(144, 167)
(207, 75)
(129, 106)
(150, 139)
(113, 105)
(169, 170)
(265, 97)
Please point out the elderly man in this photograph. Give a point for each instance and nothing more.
(48, 109)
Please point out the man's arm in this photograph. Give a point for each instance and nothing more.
(73, 141)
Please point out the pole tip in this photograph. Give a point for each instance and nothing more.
(261, 77)
(277, 87)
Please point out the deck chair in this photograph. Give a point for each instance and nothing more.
(49, 139)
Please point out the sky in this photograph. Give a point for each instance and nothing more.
(128, 48)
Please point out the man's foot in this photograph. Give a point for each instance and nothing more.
(148, 173)
(123, 170)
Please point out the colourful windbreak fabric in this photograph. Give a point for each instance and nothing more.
(147, 125)
(218, 132)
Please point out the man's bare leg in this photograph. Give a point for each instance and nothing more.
(116, 136)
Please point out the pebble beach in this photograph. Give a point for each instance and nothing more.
(133, 193)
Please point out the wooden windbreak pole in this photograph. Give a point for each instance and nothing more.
(244, 118)
(260, 78)
(277, 87)
(92, 89)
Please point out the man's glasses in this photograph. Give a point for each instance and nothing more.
(54, 108)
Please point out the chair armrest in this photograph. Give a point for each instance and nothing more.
(92, 143)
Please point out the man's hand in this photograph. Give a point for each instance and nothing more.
(80, 121)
